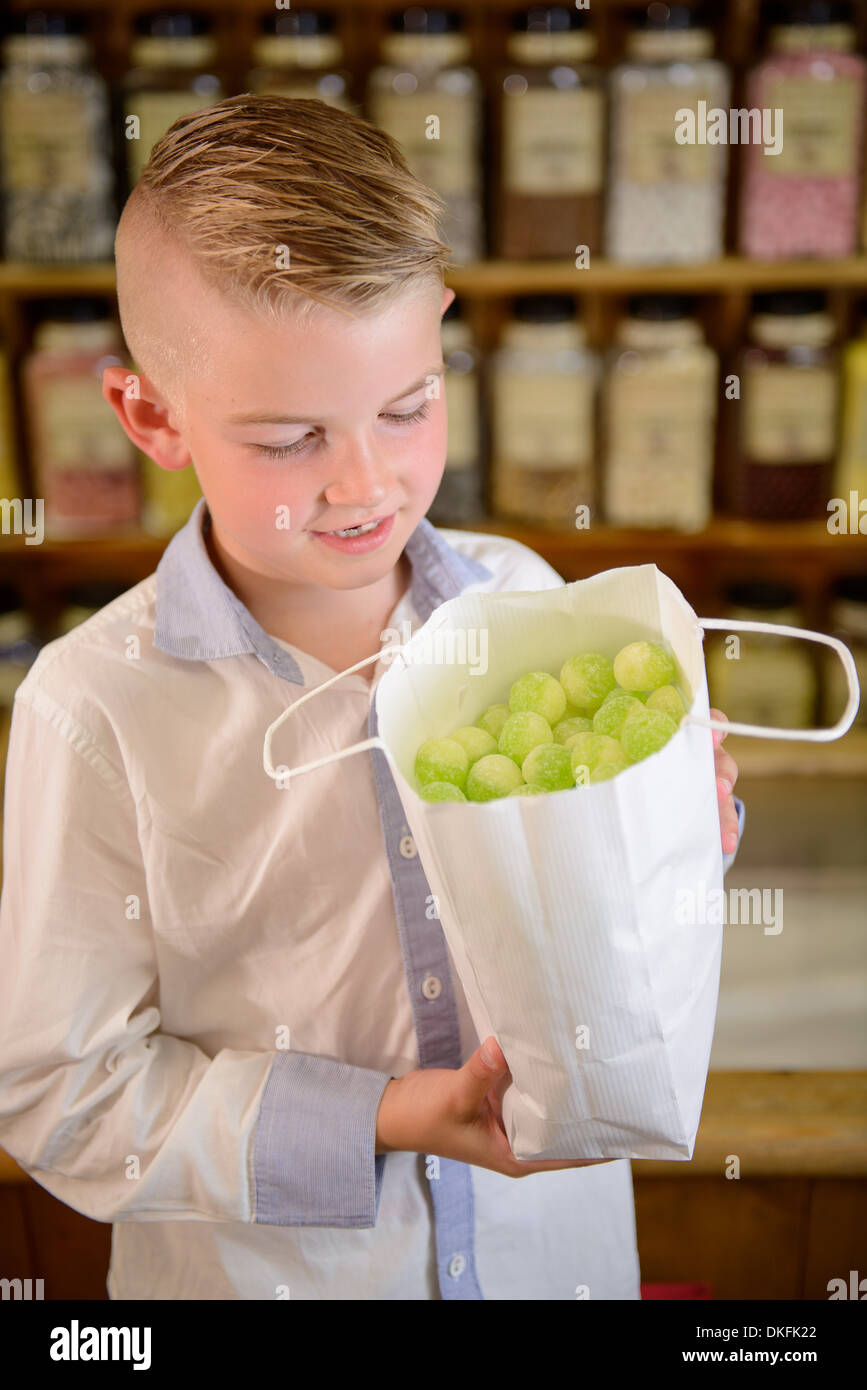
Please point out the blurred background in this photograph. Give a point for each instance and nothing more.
(657, 353)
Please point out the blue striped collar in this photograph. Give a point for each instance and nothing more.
(199, 618)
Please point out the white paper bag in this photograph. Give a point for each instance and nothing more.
(560, 910)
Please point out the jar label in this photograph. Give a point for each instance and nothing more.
(820, 127)
(789, 413)
(648, 137)
(156, 111)
(463, 414)
(447, 163)
(552, 141)
(47, 142)
(543, 421)
(76, 429)
(660, 444)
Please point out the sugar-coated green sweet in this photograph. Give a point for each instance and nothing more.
(475, 742)
(571, 712)
(592, 749)
(539, 693)
(587, 678)
(603, 772)
(667, 698)
(572, 724)
(528, 789)
(521, 732)
(643, 666)
(610, 715)
(644, 732)
(441, 760)
(441, 791)
(492, 776)
(549, 765)
(493, 719)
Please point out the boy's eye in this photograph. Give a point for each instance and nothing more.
(280, 451)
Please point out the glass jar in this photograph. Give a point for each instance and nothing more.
(848, 622)
(83, 464)
(666, 200)
(552, 138)
(10, 479)
(171, 75)
(659, 413)
(459, 498)
(788, 410)
(850, 474)
(804, 199)
(543, 388)
(55, 145)
(428, 99)
(762, 678)
(298, 54)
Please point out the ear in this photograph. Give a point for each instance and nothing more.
(448, 296)
(145, 416)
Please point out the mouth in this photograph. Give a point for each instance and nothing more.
(362, 528)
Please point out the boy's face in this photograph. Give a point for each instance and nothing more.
(367, 437)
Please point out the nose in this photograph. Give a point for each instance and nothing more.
(360, 477)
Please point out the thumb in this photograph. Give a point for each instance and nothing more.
(482, 1074)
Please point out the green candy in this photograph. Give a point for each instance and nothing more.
(610, 716)
(644, 732)
(441, 791)
(589, 750)
(523, 732)
(493, 719)
(528, 789)
(492, 776)
(668, 699)
(572, 724)
(549, 766)
(587, 679)
(603, 772)
(475, 742)
(538, 693)
(441, 760)
(644, 666)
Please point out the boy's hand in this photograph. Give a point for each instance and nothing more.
(458, 1114)
(726, 776)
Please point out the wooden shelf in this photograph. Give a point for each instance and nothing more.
(491, 278)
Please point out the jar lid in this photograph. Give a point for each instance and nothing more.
(172, 24)
(73, 309)
(550, 35)
(851, 587)
(543, 308)
(298, 23)
(791, 302)
(761, 594)
(797, 26)
(661, 308)
(419, 20)
(45, 23)
(10, 599)
(172, 38)
(45, 36)
(298, 38)
(791, 318)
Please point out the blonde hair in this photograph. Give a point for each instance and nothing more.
(235, 186)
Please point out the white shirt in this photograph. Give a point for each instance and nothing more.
(206, 982)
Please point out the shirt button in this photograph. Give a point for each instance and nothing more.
(457, 1265)
(407, 847)
(431, 987)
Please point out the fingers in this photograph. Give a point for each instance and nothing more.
(718, 734)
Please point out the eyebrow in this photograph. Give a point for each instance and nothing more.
(254, 418)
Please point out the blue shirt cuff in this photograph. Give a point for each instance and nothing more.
(313, 1151)
(729, 859)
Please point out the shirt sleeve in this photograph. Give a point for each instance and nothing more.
(115, 1118)
(729, 859)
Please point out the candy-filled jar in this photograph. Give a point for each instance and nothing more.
(850, 473)
(459, 498)
(787, 411)
(666, 184)
(659, 416)
(428, 98)
(803, 198)
(552, 138)
(542, 392)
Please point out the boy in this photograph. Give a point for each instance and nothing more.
(228, 1025)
